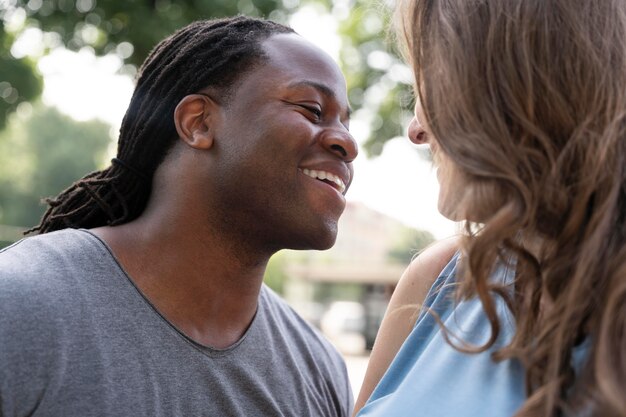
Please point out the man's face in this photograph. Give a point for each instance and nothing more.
(284, 153)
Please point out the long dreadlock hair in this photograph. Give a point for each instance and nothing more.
(209, 53)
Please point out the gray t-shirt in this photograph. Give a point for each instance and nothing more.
(77, 338)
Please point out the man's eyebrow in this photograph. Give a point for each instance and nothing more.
(324, 89)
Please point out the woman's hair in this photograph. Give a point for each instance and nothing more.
(209, 53)
(528, 100)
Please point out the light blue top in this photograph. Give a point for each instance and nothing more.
(430, 378)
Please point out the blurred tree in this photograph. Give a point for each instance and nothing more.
(410, 242)
(379, 83)
(275, 275)
(19, 81)
(128, 28)
(42, 154)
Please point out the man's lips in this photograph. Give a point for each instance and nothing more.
(328, 177)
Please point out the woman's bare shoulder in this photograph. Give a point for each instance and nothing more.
(424, 270)
(402, 310)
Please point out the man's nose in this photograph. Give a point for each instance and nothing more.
(417, 134)
(341, 143)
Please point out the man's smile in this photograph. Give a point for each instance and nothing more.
(328, 177)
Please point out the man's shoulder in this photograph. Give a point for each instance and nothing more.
(42, 252)
(296, 328)
(275, 306)
(37, 274)
(31, 249)
(308, 348)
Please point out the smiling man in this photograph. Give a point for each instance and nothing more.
(143, 293)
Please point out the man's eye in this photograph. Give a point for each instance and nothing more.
(314, 111)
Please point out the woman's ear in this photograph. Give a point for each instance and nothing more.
(195, 117)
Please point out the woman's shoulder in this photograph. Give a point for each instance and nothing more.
(402, 310)
(424, 270)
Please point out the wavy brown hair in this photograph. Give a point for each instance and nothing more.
(527, 98)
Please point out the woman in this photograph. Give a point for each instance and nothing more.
(523, 104)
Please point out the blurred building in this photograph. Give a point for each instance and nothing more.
(327, 287)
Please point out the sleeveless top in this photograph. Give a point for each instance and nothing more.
(428, 377)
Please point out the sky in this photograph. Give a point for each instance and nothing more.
(399, 183)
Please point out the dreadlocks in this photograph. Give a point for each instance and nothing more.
(205, 53)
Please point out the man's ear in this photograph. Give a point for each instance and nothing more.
(195, 117)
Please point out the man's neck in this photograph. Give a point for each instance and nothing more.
(198, 281)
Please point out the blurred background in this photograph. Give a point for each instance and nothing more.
(66, 77)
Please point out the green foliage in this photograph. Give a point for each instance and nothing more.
(19, 80)
(378, 81)
(41, 156)
(129, 28)
(410, 242)
(275, 276)
(106, 25)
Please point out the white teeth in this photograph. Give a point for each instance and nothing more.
(323, 175)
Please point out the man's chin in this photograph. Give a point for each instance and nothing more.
(319, 240)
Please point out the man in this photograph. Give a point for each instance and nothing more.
(235, 145)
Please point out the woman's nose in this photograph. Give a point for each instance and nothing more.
(417, 134)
